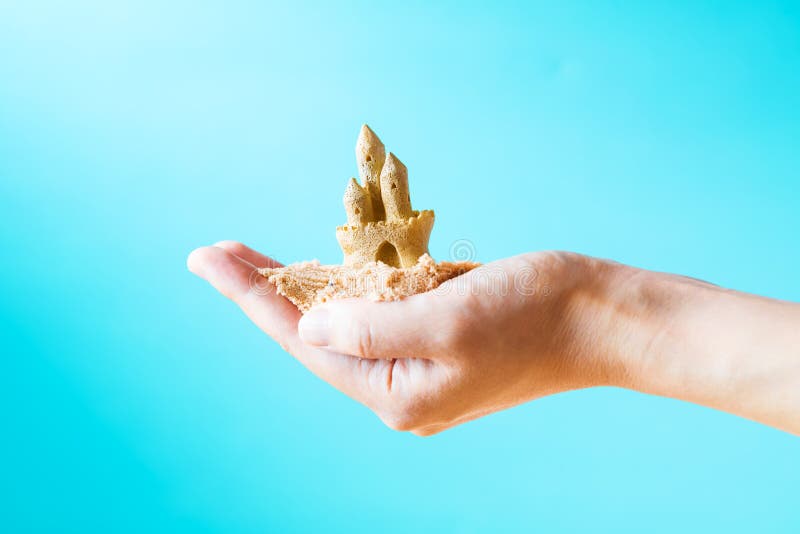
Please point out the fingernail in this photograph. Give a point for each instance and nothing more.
(315, 327)
(193, 262)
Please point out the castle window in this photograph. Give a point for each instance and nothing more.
(358, 210)
(394, 185)
(388, 254)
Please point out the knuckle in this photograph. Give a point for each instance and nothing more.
(402, 419)
(364, 338)
(399, 423)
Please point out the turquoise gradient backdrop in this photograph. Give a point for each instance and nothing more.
(135, 398)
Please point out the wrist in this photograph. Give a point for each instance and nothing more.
(631, 321)
(605, 322)
(650, 319)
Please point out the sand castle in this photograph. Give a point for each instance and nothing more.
(381, 226)
(385, 242)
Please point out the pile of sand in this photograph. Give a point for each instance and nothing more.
(309, 283)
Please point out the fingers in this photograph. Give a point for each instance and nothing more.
(377, 330)
(247, 254)
(239, 280)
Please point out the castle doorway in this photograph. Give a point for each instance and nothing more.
(388, 254)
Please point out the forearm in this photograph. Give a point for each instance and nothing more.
(693, 341)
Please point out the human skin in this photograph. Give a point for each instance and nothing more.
(529, 326)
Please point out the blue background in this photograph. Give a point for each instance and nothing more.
(134, 397)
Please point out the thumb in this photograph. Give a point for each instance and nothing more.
(366, 329)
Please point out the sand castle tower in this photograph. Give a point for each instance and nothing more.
(381, 226)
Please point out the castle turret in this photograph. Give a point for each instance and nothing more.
(370, 156)
(357, 204)
(394, 189)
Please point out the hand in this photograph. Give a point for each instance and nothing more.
(502, 334)
(528, 326)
